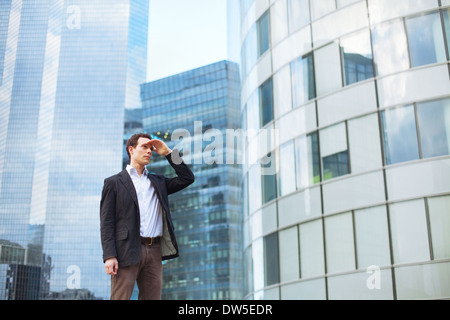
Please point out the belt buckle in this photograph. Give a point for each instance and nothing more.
(151, 242)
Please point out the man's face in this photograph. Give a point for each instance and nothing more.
(142, 153)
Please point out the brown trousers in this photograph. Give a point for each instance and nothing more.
(147, 273)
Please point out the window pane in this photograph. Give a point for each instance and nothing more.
(263, 34)
(289, 268)
(400, 135)
(298, 14)
(447, 25)
(287, 168)
(327, 68)
(364, 143)
(440, 226)
(357, 55)
(333, 142)
(390, 48)
(302, 72)
(372, 237)
(266, 102)
(269, 186)
(339, 243)
(434, 124)
(307, 160)
(409, 231)
(311, 249)
(426, 42)
(249, 50)
(271, 256)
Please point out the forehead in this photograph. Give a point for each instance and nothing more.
(143, 140)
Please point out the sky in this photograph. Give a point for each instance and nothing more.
(185, 34)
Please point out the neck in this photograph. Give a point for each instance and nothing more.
(139, 168)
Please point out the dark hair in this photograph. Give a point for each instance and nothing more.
(133, 141)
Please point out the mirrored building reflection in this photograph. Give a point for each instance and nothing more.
(192, 112)
(68, 69)
(360, 93)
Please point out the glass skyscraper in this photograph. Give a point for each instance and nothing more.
(192, 111)
(68, 69)
(359, 94)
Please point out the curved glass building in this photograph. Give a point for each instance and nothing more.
(358, 93)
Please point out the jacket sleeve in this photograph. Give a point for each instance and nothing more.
(184, 177)
(107, 220)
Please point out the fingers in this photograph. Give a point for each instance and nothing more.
(111, 267)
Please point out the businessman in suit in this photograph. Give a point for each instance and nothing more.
(136, 226)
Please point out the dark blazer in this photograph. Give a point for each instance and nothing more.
(120, 217)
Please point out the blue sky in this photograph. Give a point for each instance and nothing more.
(185, 34)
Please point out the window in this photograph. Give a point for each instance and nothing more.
(266, 102)
(447, 26)
(426, 41)
(439, 208)
(298, 14)
(271, 257)
(357, 57)
(311, 249)
(334, 151)
(434, 127)
(307, 160)
(302, 75)
(269, 187)
(399, 135)
(263, 34)
(372, 237)
(409, 231)
(390, 47)
(287, 169)
(339, 243)
(289, 259)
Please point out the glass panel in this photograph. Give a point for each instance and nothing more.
(364, 143)
(266, 102)
(333, 146)
(357, 56)
(263, 34)
(305, 290)
(390, 48)
(327, 67)
(409, 231)
(307, 160)
(312, 259)
(428, 281)
(258, 264)
(426, 42)
(271, 263)
(321, 7)
(439, 210)
(446, 14)
(289, 268)
(254, 188)
(387, 9)
(302, 73)
(249, 50)
(339, 243)
(372, 237)
(298, 14)
(400, 135)
(269, 186)
(282, 91)
(434, 125)
(287, 168)
(343, 3)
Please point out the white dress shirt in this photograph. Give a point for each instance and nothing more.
(149, 206)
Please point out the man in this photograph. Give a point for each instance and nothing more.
(135, 221)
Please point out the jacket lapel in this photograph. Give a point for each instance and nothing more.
(128, 183)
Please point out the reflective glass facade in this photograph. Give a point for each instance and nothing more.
(67, 70)
(201, 104)
(359, 93)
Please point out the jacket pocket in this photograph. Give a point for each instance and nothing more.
(121, 235)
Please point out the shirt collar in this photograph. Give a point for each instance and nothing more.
(133, 171)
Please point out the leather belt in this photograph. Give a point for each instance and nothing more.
(150, 241)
